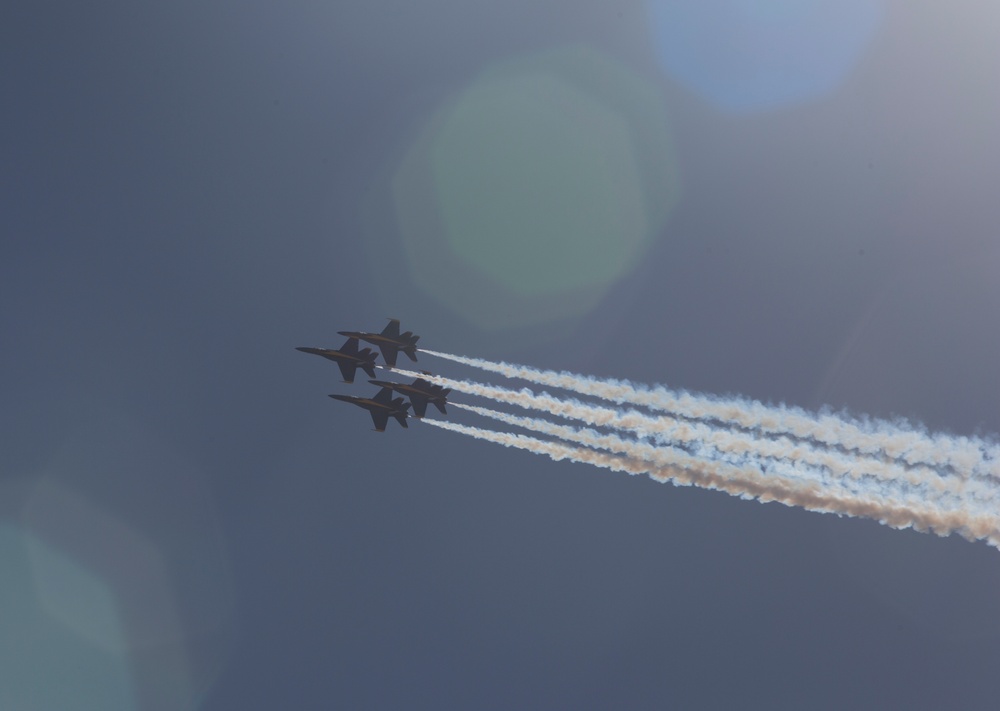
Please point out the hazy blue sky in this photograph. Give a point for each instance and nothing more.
(794, 202)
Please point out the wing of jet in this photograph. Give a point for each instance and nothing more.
(350, 346)
(349, 366)
(419, 403)
(380, 418)
(392, 329)
(347, 370)
(389, 354)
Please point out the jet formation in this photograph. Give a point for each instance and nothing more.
(349, 357)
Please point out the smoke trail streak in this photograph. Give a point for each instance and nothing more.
(804, 458)
(665, 455)
(790, 471)
(749, 484)
(967, 456)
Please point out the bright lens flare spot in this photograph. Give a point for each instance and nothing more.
(535, 189)
(757, 55)
(48, 661)
(538, 186)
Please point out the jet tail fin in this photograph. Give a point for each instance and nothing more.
(369, 367)
(440, 405)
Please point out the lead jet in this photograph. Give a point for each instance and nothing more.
(420, 393)
(349, 358)
(390, 341)
(382, 407)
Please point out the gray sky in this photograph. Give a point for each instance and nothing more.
(791, 202)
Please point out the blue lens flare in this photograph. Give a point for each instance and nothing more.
(756, 55)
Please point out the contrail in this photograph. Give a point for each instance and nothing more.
(806, 460)
(751, 464)
(790, 470)
(967, 456)
(665, 455)
(748, 483)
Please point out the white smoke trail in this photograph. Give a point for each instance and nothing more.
(789, 470)
(800, 460)
(966, 456)
(748, 483)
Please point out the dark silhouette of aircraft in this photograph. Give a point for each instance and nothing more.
(420, 393)
(349, 358)
(390, 341)
(381, 407)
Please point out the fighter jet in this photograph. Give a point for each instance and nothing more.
(390, 341)
(382, 407)
(349, 358)
(420, 393)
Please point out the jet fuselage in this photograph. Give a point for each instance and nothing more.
(390, 341)
(420, 392)
(348, 358)
(381, 407)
